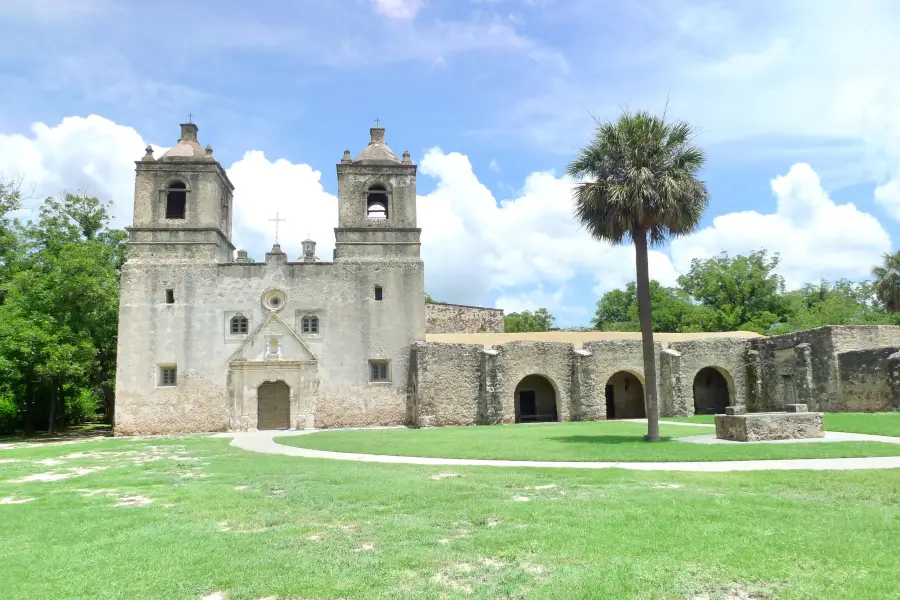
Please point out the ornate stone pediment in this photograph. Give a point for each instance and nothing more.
(273, 341)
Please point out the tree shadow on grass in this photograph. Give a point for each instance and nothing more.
(602, 439)
(76, 432)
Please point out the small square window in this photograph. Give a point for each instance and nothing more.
(170, 296)
(378, 293)
(168, 376)
(309, 325)
(379, 370)
(239, 325)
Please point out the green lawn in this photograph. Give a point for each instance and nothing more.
(600, 441)
(872, 423)
(253, 526)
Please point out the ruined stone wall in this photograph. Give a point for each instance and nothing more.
(864, 337)
(457, 318)
(517, 360)
(727, 355)
(606, 359)
(446, 383)
(793, 368)
(866, 380)
(805, 367)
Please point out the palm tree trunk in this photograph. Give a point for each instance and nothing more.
(645, 315)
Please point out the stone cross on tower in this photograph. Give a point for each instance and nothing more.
(276, 220)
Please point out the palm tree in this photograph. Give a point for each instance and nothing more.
(638, 182)
(887, 282)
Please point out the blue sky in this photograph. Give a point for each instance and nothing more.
(797, 103)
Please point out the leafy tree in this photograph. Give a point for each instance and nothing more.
(887, 282)
(673, 311)
(10, 201)
(59, 318)
(744, 292)
(840, 303)
(428, 298)
(638, 181)
(539, 320)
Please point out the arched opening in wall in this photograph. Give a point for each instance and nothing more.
(535, 400)
(711, 391)
(176, 200)
(377, 202)
(625, 396)
(273, 406)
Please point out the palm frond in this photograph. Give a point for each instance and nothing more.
(639, 173)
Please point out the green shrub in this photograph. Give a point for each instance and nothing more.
(82, 406)
(9, 415)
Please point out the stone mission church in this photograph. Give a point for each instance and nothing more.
(210, 340)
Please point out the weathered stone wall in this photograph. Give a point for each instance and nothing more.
(727, 355)
(866, 383)
(863, 337)
(606, 359)
(517, 360)
(446, 386)
(793, 368)
(804, 367)
(457, 318)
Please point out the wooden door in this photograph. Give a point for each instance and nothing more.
(274, 406)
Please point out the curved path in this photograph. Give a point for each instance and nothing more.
(263, 441)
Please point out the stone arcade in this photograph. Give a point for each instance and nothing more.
(210, 341)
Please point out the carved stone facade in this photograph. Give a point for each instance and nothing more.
(200, 330)
(209, 340)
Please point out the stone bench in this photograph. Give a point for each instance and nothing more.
(753, 427)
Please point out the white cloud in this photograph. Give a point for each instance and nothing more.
(398, 9)
(815, 237)
(472, 244)
(295, 192)
(888, 196)
(494, 165)
(81, 154)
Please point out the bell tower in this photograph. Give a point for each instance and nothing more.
(377, 204)
(182, 204)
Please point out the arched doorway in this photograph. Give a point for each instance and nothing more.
(535, 400)
(711, 394)
(625, 397)
(274, 406)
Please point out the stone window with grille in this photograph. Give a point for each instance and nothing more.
(240, 325)
(379, 371)
(168, 375)
(309, 325)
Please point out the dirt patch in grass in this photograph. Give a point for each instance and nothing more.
(14, 500)
(732, 592)
(133, 501)
(57, 475)
(488, 572)
(443, 476)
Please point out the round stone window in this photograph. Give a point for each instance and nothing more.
(273, 299)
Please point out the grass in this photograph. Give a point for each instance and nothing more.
(259, 525)
(871, 423)
(602, 441)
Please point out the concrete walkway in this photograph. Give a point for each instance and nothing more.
(262, 441)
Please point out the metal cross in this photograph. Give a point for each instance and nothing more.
(377, 121)
(190, 115)
(276, 220)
